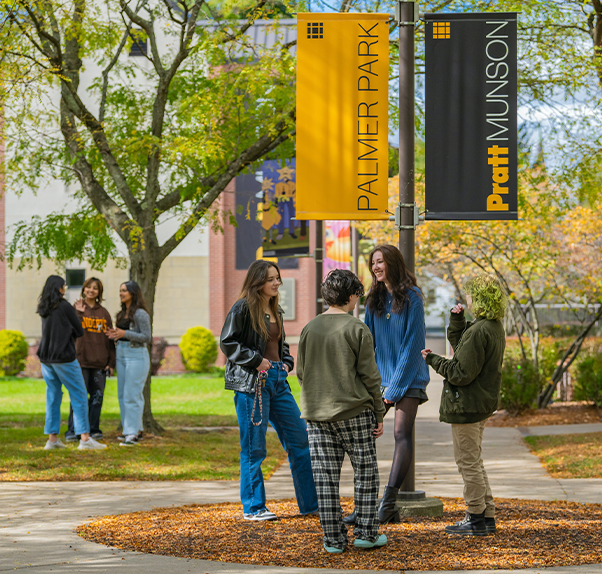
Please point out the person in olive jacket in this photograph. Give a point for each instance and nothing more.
(258, 363)
(471, 390)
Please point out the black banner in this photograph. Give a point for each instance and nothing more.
(471, 132)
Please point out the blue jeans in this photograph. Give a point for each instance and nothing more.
(68, 374)
(282, 412)
(133, 364)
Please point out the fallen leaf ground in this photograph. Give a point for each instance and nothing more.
(531, 534)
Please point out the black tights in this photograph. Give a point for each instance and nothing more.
(405, 414)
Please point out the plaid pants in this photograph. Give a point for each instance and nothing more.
(328, 443)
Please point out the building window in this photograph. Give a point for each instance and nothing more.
(76, 278)
(139, 43)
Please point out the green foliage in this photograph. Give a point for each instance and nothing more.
(521, 383)
(62, 237)
(199, 349)
(588, 386)
(13, 352)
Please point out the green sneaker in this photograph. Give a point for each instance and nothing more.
(380, 541)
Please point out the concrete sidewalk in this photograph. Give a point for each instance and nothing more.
(37, 520)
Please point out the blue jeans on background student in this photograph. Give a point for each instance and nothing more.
(133, 365)
(68, 374)
(282, 412)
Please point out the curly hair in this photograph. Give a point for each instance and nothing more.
(339, 286)
(488, 298)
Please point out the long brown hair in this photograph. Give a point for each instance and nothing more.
(137, 301)
(98, 282)
(399, 277)
(256, 278)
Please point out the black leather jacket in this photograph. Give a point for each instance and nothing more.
(245, 348)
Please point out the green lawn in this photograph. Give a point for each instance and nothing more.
(178, 402)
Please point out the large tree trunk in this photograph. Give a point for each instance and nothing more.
(145, 266)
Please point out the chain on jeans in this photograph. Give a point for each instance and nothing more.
(263, 375)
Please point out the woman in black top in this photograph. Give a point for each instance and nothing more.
(60, 327)
(258, 364)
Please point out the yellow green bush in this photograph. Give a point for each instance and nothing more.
(199, 349)
(13, 352)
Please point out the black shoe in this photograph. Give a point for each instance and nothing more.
(97, 435)
(350, 519)
(472, 525)
(490, 525)
(72, 438)
(388, 511)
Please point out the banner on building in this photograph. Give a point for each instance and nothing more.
(342, 116)
(337, 244)
(265, 216)
(471, 128)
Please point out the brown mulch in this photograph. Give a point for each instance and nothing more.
(555, 414)
(531, 534)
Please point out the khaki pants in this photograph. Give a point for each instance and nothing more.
(467, 451)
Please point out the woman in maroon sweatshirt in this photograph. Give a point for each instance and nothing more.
(95, 353)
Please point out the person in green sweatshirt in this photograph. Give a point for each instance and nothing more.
(342, 404)
(471, 391)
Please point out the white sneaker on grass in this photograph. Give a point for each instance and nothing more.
(90, 444)
(52, 445)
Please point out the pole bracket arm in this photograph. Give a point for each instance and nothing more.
(416, 219)
(415, 12)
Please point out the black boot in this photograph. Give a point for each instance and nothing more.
(388, 511)
(472, 525)
(490, 524)
(349, 519)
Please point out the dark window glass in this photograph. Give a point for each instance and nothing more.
(75, 277)
(139, 43)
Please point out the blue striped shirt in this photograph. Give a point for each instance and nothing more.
(398, 342)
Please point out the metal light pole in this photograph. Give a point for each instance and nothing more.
(411, 502)
(406, 12)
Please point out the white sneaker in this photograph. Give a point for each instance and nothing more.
(52, 445)
(90, 444)
(264, 514)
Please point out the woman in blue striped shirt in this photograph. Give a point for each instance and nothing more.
(395, 316)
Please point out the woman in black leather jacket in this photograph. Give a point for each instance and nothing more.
(258, 363)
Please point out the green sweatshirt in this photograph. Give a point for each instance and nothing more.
(337, 370)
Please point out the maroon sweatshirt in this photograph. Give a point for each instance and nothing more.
(95, 350)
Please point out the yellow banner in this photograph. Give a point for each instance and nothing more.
(342, 116)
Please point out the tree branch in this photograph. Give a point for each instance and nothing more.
(264, 145)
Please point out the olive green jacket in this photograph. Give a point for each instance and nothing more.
(472, 378)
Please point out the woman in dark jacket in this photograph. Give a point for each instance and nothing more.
(471, 392)
(60, 327)
(258, 363)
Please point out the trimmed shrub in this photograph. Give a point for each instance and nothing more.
(588, 386)
(158, 353)
(199, 349)
(521, 383)
(13, 353)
